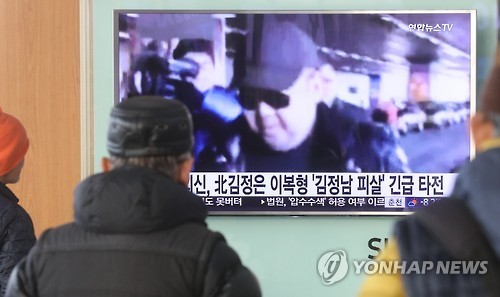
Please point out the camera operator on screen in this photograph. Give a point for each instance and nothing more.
(190, 78)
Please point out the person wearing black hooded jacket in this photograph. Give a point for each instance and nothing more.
(138, 230)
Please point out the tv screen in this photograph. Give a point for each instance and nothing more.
(360, 112)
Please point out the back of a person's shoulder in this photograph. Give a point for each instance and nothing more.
(186, 240)
(7, 208)
(193, 237)
(10, 211)
(58, 236)
(6, 204)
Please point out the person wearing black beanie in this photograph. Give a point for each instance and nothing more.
(138, 230)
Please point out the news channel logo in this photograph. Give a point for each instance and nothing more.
(333, 267)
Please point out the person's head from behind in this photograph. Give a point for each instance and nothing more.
(152, 132)
(328, 75)
(485, 124)
(153, 46)
(200, 51)
(282, 86)
(14, 144)
(380, 116)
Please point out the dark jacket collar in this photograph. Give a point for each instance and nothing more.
(7, 193)
(135, 199)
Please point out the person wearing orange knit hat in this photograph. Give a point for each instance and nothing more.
(14, 144)
(17, 234)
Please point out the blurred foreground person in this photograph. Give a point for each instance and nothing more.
(16, 228)
(454, 244)
(138, 230)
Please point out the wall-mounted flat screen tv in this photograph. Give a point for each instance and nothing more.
(324, 112)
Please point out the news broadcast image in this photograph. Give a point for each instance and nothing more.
(311, 113)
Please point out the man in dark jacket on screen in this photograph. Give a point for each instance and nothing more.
(138, 231)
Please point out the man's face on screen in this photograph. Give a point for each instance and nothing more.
(285, 125)
(206, 75)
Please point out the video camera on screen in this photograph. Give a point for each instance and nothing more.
(170, 79)
(154, 75)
